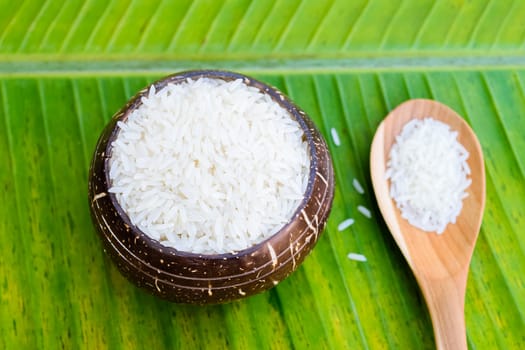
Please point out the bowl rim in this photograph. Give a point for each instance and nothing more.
(177, 78)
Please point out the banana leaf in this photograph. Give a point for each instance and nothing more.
(67, 67)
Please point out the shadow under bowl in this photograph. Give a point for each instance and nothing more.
(187, 277)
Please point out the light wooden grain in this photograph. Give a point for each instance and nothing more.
(439, 262)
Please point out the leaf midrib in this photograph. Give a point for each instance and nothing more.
(21, 65)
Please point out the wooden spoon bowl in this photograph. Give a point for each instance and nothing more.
(439, 262)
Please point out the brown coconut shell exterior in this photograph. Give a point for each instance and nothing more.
(186, 277)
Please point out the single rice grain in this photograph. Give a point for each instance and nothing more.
(335, 137)
(345, 224)
(363, 210)
(357, 186)
(356, 257)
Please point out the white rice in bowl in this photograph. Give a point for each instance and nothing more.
(209, 166)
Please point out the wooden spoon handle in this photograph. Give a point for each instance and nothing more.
(446, 303)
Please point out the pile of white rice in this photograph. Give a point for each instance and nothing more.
(209, 166)
(428, 174)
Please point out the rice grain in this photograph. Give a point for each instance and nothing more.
(335, 137)
(345, 224)
(356, 257)
(358, 186)
(363, 210)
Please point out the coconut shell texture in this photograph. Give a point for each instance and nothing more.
(216, 278)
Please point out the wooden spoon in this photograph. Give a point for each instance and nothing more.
(439, 262)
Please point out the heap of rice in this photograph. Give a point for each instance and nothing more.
(428, 173)
(209, 166)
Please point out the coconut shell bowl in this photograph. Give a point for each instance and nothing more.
(186, 277)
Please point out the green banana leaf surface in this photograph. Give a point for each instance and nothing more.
(67, 66)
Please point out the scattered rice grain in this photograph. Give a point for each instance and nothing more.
(364, 211)
(358, 186)
(335, 137)
(357, 257)
(345, 224)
